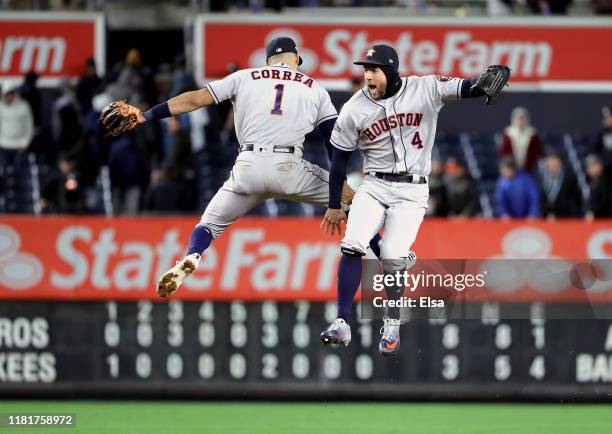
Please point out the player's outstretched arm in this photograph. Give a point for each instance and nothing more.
(119, 117)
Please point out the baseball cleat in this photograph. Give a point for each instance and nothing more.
(173, 278)
(339, 332)
(390, 341)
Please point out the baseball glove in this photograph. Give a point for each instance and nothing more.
(119, 117)
(491, 82)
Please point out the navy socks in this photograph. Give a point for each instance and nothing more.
(200, 240)
(349, 279)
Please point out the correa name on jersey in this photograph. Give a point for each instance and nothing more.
(275, 74)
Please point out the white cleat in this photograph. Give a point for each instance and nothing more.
(169, 283)
(339, 332)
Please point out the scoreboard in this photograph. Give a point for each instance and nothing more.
(272, 349)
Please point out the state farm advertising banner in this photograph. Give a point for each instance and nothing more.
(544, 54)
(54, 45)
(282, 259)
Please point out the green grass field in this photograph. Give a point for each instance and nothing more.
(319, 418)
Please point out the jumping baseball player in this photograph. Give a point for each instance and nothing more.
(392, 121)
(275, 107)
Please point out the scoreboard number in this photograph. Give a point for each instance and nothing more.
(144, 334)
(269, 336)
(113, 365)
(450, 336)
(207, 311)
(303, 307)
(143, 365)
(364, 367)
(206, 366)
(503, 336)
(502, 367)
(237, 366)
(332, 367)
(538, 368)
(538, 336)
(269, 368)
(300, 366)
(145, 307)
(174, 366)
(450, 367)
(301, 335)
(238, 335)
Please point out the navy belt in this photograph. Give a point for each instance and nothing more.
(401, 177)
(283, 149)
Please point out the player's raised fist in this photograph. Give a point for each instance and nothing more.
(119, 117)
(333, 219)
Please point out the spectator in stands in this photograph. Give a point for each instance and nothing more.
(603, 145)
(521, 142)
(170, 192)
(87, 86)
(600, 199)
(133, 81)
(16, 125)
(437, 190)
(461, 193)
(560, 195)
(539, 7)
(602, 7)
(126, 163)
(66, 118)
(516, 192)
(179, 156)
(30, 92)
(63, 193)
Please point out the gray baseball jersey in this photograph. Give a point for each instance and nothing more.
(274, 105)
(396, 134)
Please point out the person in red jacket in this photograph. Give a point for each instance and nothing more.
(521, 141)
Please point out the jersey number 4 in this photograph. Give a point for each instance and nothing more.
(278, 100)
(416, 140)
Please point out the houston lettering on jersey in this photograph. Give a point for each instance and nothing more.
(393, 121)
(275, 74)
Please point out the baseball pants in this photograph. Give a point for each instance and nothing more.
(398, 207)
(262, 174)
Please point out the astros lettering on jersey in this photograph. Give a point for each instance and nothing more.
(396, 134)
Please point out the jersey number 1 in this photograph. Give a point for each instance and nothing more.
(276, 110)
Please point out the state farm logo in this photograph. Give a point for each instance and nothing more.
(30, 53)
(459, 52)
(17, 270)
(528, 259)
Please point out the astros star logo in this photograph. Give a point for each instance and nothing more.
(371, 52)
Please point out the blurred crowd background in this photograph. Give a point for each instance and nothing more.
(55, 157)
(421, 7)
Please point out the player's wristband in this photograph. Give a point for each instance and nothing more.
(160, 111)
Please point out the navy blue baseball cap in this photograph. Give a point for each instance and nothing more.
(282, 45)
(381, 55)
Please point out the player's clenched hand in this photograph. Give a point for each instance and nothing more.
(119, 117)
(333, 219)
(347, 193)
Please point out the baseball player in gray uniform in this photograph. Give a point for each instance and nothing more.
(392, 121)
(274, 107)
